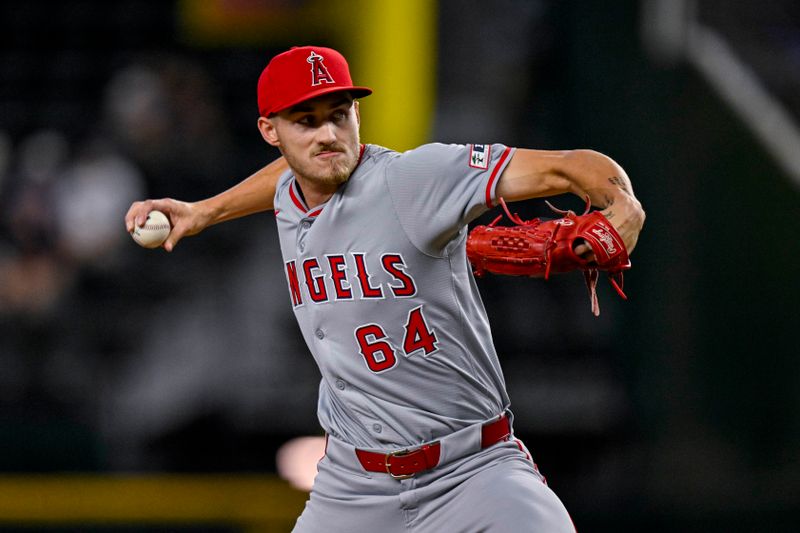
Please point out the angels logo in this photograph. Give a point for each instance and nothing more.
(319, 74)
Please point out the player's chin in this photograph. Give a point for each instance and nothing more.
(338, 178)
(329, 178)
(337, 172)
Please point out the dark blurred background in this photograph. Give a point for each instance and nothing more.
(678, 410)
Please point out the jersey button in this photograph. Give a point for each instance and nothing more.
(306, 224)
(340, 384)
(320, 334)
(377, 428)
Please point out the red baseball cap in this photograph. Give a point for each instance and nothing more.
(302, 73)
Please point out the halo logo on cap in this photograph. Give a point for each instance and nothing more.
(319, 74)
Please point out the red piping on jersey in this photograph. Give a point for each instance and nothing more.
(493, 177)
(535, 466)
(297, 201)
(522, 449)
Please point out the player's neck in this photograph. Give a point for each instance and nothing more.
(314, 193)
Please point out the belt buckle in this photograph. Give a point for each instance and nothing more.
(396, 453)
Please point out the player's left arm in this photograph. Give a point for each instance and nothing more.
(539, 173)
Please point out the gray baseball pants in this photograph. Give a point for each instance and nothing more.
(498, 489)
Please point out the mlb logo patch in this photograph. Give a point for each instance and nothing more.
(479, 156)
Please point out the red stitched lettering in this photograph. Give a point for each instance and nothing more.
(418, 335)
(339, 277)
(378, 354)
(367, 290)
(294, 284)
(393, 265)
(315, 284)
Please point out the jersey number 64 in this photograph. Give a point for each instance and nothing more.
(380, 355)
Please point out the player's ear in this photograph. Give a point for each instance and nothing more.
(358, 113)
(267, 128)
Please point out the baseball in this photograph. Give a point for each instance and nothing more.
(154, 232)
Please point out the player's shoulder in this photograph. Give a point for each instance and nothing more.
(284, 180)
(431, 154)
(374, 153)
(436, 158)
(434, 149)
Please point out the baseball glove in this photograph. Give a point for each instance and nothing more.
(537, 248)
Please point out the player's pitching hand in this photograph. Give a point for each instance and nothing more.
(184, 217)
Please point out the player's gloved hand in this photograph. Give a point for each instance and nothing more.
(537, 248)
(184, 217)
(627, 217)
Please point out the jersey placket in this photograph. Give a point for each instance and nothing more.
(302, 232)
(307, 220)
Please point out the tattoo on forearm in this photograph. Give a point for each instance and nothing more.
(609, 215)
(619, 182)
(609, 200)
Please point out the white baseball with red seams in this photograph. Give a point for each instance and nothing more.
(154, 231)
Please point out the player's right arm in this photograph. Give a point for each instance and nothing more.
(254, 194)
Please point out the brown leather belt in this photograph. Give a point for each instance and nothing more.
(403, 464)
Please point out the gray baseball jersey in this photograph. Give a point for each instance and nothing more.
(385, 297)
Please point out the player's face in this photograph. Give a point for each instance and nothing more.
(318, 138)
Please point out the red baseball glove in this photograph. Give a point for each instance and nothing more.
(537, 248)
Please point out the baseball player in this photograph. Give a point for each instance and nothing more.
(412, 396)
